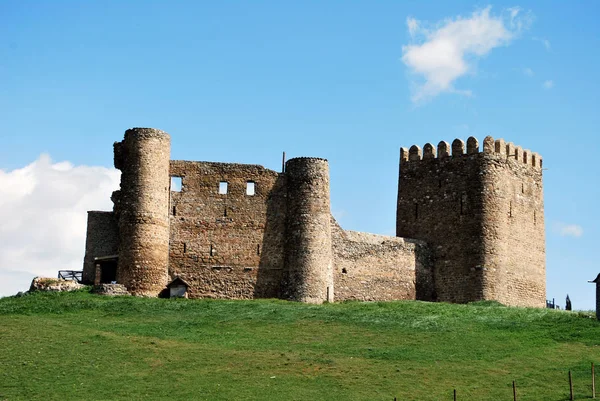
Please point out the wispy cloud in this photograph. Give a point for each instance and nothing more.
(528, 72)
(439, 56)
(43, 212)
(568, 230)
(544, 42)
(548, 84)
(338, 214)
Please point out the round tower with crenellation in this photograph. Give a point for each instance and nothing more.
(309, 260)
(143, 210)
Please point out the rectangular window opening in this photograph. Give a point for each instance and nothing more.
(176, 184)
(416, 210)
(223, 187)
(258, 249)
(250, 188)
(174, 211)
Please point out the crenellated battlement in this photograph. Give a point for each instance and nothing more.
(498, 147)
(481, 204)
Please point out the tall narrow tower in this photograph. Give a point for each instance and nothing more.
(309, 259)
(142, 209)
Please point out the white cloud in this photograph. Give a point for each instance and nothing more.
(544, 42)
(528, 72)
(568, 230)
(449, 51)
(549, 84)
(413, 26)
(43, 209)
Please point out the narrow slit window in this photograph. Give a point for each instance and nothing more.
(223, 187)
(258, 249)
(184, 247)
(250, 188)
(212, 250)
(174, 211)
(463, 204)
(416, 210)
(225, 212)
(510, 209)
(176, 184)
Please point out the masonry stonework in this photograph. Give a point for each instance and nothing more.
(470, 226)
(309, 261)
(483, 214)
(142, 209)
(226, 241)
(102, 239)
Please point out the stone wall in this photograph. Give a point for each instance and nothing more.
(369, 267)
(102, 239)
(227, 245)
(482, 212)
(513, 225)
(142, 208)
(439, 201)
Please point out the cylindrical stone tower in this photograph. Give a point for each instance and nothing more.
(309, 260)
(143, 210)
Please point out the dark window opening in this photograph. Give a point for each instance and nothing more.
(184, 247)
(522, 188)
(176, 184)
(439, 183)
(250, 188)
(344, 271)
(225, 212)
(258, 249)
(223, 187)
(416, 210)
(510, 209)
(174, 211)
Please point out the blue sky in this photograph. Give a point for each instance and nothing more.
(244, 81)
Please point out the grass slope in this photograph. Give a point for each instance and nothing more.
(74, 346)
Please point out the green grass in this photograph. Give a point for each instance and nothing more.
(79, 346)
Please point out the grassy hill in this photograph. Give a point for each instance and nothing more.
(79, 346)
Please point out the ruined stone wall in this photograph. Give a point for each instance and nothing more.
(308, 260)
(459, 203)
(369, 267)
(102, 239)
(227, 245)
(142, 207)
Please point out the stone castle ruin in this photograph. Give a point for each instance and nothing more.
(470, 226)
